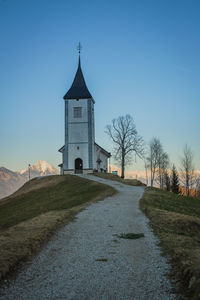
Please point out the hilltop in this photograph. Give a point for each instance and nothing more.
(10, 181)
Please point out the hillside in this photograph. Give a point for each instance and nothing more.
(176, 221)
(10, 181)
(133, 182)
(31, 214)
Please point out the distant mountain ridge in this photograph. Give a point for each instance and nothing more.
(10, 181)
(40, 168)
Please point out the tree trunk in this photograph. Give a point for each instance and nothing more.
(151, 173)
(187, 184)
(146, 174)
(123, 164)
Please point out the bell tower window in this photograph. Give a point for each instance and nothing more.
(77, 112)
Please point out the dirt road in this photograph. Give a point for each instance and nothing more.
(87, 260)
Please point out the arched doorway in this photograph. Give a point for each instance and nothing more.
(78, 166)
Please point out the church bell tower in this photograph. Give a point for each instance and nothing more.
(78, 151)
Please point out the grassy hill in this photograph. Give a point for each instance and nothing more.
(133, 182)
(176, 221)
(30, 215)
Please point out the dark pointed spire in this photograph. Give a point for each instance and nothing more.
(79, 89)
(79, 61)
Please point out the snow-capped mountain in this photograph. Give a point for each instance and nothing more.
(41, 168)
(44, 168)
(11, 181)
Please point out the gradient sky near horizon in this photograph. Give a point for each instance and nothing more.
(139, 57)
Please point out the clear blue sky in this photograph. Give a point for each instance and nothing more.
(139, 57)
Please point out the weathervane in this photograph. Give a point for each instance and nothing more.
(79, 47)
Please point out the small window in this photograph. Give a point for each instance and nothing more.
(77, 112)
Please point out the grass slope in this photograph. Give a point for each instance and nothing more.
(53, 193)
(114, 177)
(176, 221)
(29, 216)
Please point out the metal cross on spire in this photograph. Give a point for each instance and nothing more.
(79, 47)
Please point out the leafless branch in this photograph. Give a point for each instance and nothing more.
(123, 133)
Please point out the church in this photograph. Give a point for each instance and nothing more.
(80, 153)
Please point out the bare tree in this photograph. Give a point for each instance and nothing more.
(158, 162)
(163, 163)
(197, 183)
(153, 157)
(187, 169)
(123, 133)
(146, 170)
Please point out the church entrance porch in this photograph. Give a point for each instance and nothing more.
(78, 166)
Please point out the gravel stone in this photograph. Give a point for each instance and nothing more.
(86, 260)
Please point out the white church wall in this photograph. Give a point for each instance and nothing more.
(93, 123)
(104, 163)
(101, 156)
(95, 157)
(63, 157)
(77, 132)
(93, 136)
(80, 103)
(78, 151)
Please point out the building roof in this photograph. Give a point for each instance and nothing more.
(106, 153)
(79, 89)
(61, 149)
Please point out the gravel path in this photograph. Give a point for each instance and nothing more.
(86, 260)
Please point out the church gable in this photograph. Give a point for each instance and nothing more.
(101, 158)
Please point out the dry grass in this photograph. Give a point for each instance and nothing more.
(33, 213)
(38, 183)
(62, 192)
(114, 177)
(176, 221)
(34, 184)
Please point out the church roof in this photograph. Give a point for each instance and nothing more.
(79, 89)
(106, 153)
